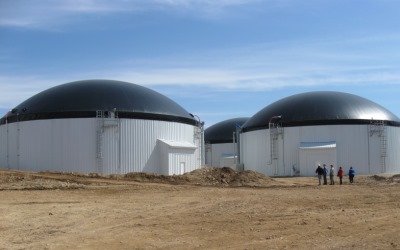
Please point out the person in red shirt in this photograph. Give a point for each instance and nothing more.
(340, 175)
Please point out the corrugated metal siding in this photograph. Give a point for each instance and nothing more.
(51, 145)
(8, 146)
(181, 161)
(14, 145)
(3, 147)
(139, 140)
(355, 147)
(71, 144)
(309, 158)
(68, 144)
(228, 162)
(393, 150)
(351, 141)
(292, 138)
(219, 150)
(176, 160)
(163, 154)
(111, 140)
(254, 152)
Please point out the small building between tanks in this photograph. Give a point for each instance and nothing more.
(221, 143)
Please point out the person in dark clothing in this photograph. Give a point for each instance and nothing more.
(325, 175)
(352, 173)
(319, 172)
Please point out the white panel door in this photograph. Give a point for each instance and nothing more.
(182, 167)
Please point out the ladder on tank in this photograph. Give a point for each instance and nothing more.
(107, 119)
(99, 140)
(383, 140)
(380, 129)
(274, 131)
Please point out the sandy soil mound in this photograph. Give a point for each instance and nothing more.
(29, 181)
(228, 177)
(382, 179)
(221, 177)
(208, 177)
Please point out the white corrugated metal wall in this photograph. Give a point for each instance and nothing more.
(351, 140)
(254, 151)
(180, 161)
(393, 150)
(139, 140)
(3, 146)
(59, 145)
(110, 147)
(71, 144)
(218, 151)
(355, 147)
(309, 158)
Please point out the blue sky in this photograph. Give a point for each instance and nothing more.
(219, 59)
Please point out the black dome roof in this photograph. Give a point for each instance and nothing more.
(222, 132)
(84, 98)
(321, 108)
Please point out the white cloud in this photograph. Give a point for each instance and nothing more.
(202, 3)
(93, 6)
(48, 14)
(16, 89)
(261, 67)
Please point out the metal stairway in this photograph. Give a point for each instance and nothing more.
(274, 131)
(379, 127)
(99, 140)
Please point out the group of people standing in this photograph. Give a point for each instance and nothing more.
(323, 173)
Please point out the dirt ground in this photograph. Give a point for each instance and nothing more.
(205, 209)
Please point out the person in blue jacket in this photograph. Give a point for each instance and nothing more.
(352, 173)
(325, 175)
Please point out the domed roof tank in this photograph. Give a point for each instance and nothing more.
(321, 108)
(222, 132)
(84, 98)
